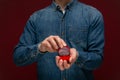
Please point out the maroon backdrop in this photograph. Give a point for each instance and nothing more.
(13, 16)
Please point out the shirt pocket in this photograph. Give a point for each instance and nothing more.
(44, 34)
(78, 36)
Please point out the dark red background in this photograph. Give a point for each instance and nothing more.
(13, 16)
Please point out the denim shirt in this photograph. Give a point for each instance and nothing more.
(81, 27)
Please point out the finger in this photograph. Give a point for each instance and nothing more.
(42, 47)
(59, 41)
(70, 60)
(66, 64)
(63, 42)
(53, 43)
(49, 47)
(73, 55)
(57, 58)
(60, 65)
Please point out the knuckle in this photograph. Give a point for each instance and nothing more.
(72, 48)
(43, 43)
(61, 69)
(57, 36)
(51, 36)
(47, 45)
(62, 41)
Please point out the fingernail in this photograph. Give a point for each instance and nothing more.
(70, 59)
(65, 44)
(61, 60)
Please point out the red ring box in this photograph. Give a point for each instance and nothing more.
(64, 53)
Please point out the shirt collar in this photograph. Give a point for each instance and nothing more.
(69, 5)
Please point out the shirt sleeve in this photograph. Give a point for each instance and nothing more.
(93, 56)
(26, 52)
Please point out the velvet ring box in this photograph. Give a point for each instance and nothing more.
(64, 53)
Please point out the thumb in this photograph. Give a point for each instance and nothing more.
(72, 55)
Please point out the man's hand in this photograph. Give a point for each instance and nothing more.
(51, 44)
(64, 64)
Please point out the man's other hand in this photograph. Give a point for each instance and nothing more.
(51, 44)
(63, 64)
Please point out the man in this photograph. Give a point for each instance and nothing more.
(63, 23)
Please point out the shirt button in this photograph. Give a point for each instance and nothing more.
(62, 33)
(64, 79)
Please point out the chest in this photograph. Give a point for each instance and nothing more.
(71, 27)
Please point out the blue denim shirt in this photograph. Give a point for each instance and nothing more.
(81, 27)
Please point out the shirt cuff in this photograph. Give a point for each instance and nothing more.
(38, 47)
